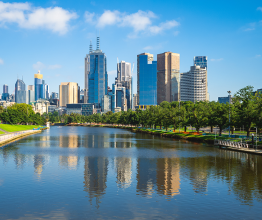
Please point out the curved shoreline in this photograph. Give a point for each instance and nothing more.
(17, 137)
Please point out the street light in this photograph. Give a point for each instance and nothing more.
(229, 92)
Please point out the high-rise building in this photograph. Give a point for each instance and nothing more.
(201, 61)
(146, 79)
(135, 101)
(68, 93)
(106, 103)
(5, 88)
(54, 95)
(96, 78)
(124, 79)
(194, 85)
(20, 92)
(168, 77)
(31, 93)
(38, 85)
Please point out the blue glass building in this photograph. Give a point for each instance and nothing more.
(200, 61)
(96, 75)
(20, 92)
(146, 79)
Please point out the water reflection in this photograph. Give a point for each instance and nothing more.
(95, 177)
(141, 161)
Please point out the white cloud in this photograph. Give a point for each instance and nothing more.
(140, 21)
(176, 33)
(108, 18)
(1, 62)
(258, 56)
(148, 48)
(55, 19)
(55, 66)
(38, 66)
(112, 72)
(259, 8)
(89, 17)
(216, 60)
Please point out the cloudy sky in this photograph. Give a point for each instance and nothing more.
(54, 36)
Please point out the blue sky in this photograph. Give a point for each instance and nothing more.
(54, 36)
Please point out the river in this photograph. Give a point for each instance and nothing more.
(109, 173)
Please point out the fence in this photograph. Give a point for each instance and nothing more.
(12, 135)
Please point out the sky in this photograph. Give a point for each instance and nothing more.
(54, 37)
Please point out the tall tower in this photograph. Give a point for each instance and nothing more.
(38, 85)
(168, 80)
(146, 79)
(20, 92)
(68, 93)
(124, 79)
(5, 88)
(96, 78)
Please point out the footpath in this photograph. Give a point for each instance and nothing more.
(10, 137)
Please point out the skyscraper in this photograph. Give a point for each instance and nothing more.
(194, 85)
(124, 79)
(168, 80)
(31, 93)
(201, 61)
(5, 88)
(20, 92)
(146, 79)
(96, 78)
(68, 93)
(38, 85)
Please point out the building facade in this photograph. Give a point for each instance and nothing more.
(194, 85)
(124, 79)
(38, 85)
(96, 78)
(225, 100)
(168, 77)
(5, 88)
(31, 93)
(146, 79)
(200, 61)
(106, 103)
(20, 92)
(68, 93)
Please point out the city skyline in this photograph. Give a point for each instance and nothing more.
(231, 42)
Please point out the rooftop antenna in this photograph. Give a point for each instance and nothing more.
(90, 47)
(98, 43)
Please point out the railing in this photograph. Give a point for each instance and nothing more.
(12, 135)
(227, 143)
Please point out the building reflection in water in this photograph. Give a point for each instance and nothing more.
(123, 167)
(95, 177)
(159, 174)
(39, 161)
(71, 141)
(120, 141)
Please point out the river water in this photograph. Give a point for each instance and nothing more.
(107, 173)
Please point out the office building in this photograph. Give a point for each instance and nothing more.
(106, 103)
(134, 101)
(168, 77)
(38, 86)
(96, 78)
(20, 92)
(68, 93)
(194, 85)
(225, 100)
(146, 79)
(81, 108)
(5, 88)
(54, 95)
(201, 61)
(31, 93)
(124, 79)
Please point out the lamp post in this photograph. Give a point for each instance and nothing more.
(229, 92)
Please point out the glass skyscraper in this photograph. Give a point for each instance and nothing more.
(146, 79)
(96, 77)
(20, 92)
(200, 61)
(38, 86)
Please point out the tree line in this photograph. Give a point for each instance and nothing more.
(245, 111)
(21, 114)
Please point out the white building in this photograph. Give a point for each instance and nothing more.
(193, 85)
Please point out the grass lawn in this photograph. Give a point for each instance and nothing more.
(14, 128)
(1, 132)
